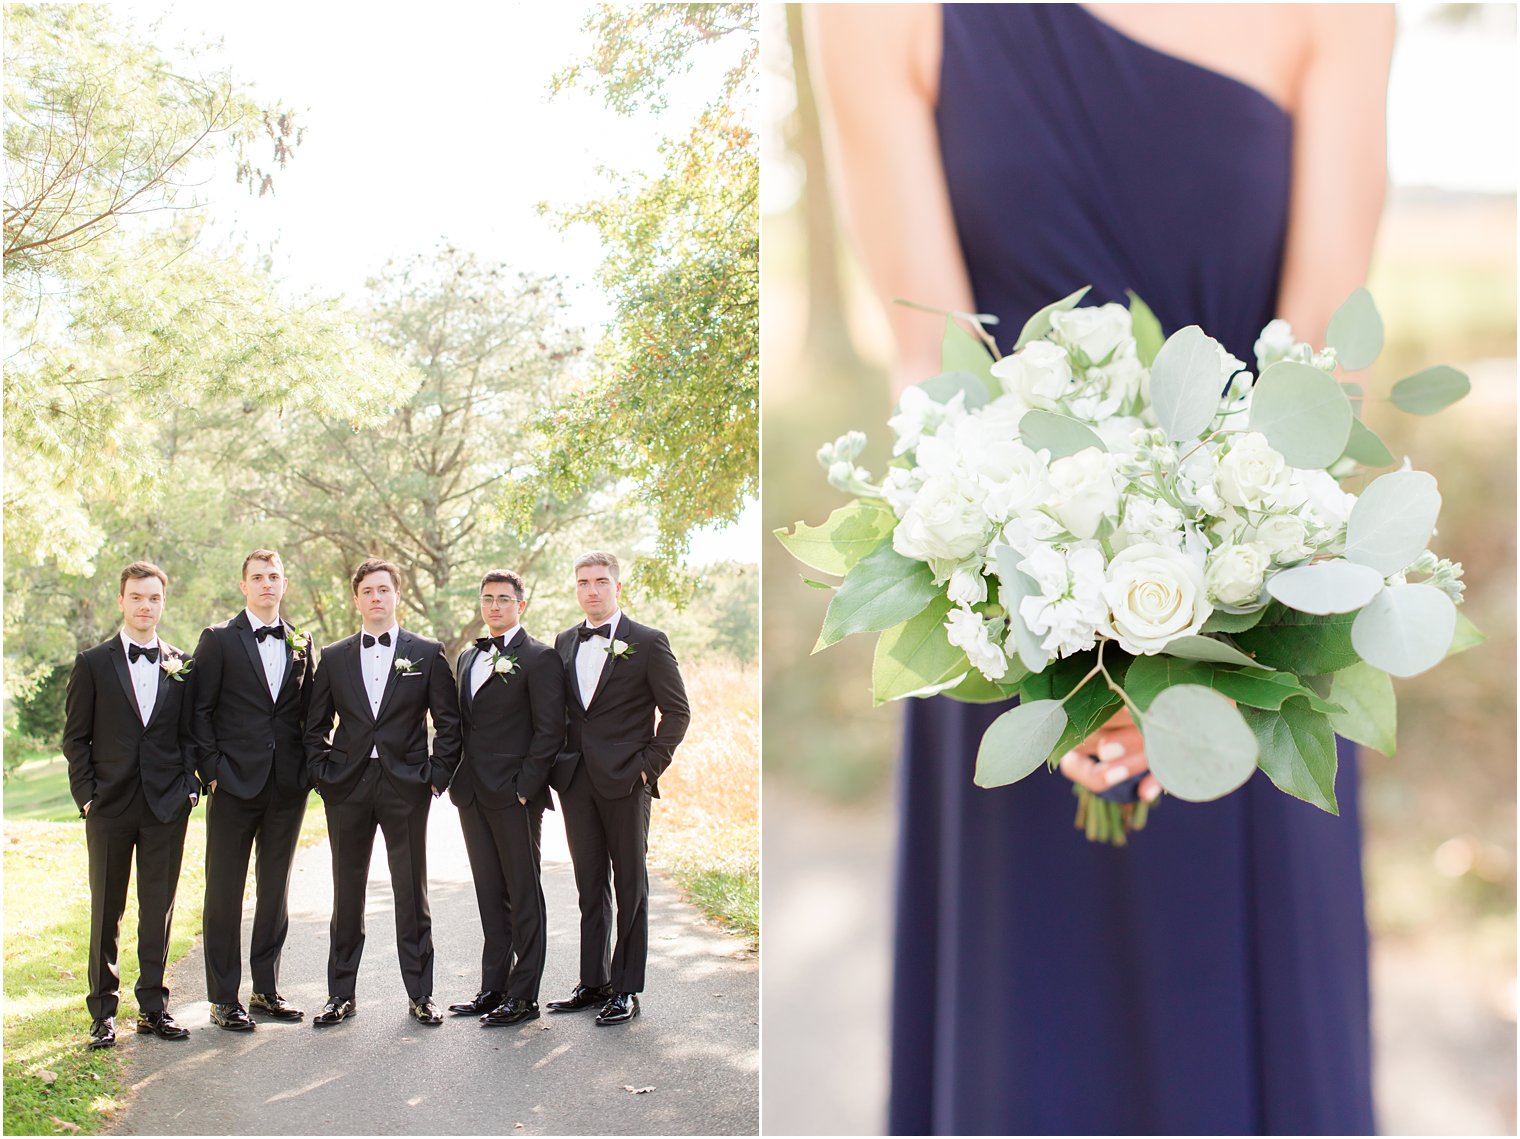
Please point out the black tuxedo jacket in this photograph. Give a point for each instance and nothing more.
(240, 732)
(110, 750)
(513, 729)
(337, 756)
(616, 737)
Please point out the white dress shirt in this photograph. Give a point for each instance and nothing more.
(590, 657)
(144, 675)
(480, 668)
(271, 652)
(377, 662)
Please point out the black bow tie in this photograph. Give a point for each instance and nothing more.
(368, 641)
(268, 631)
(586, 634)
(485, 644)
(135, 651)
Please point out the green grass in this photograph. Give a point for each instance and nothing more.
(47, 905)
(728, 895)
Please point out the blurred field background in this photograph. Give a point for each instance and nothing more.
(1440, 817)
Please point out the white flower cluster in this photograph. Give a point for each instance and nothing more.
(1138, 541)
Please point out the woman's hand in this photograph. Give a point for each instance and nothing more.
(1120, 755)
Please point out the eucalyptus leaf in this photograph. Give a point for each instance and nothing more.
(1186, 384)
(1039, 324)
(1430, 390)
(1017, 585)
(1147, 330)
(1369, 709)
(1467, 636)
(1356, 332)
(1366, 448)
(1390, 524)
(1207, 648)
(963, 351)
(846, 536)
(1406, 629)
(914, 656)
(1061, 435)
(1297, 752)
(876, 594)
(1017, 742)
(1304, 414)
(1198, 745)
(1333, 586)
(942, 388)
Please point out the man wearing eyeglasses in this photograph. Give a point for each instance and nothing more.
(512, 703)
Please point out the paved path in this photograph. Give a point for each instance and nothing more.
(696, 1045)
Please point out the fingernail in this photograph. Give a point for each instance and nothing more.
(1110, 749)
(1115, 775)
(1151, 793)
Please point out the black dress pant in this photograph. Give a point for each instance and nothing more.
(505, 853)
(270, 825)
(401, 815)
(159, 848)
(609, 839)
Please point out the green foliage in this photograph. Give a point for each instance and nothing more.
(1061, 435)
(1300, 643)
(1356, 332)
(1197, 743)
(1017, 742)
(39, 708)
(915, 655)
(846, 536)
(1392, 521)
(1039, 324)
(676, 389)
(1406, 629)
(1366, 447)
(1185, 384)
(1326, 587)
(960, 351)
(883, 587)
(1305, 415)
(1369, 711)
(1297, 751)
(1147, 330)
(1430, 390)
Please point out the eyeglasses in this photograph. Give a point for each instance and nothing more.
(487, 599)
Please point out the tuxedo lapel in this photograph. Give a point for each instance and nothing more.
(124, 674)
(251, 644)
(602, 677)
(287, 629)
(466, 689)
(572, 678)
(164, 653)
(403, 652)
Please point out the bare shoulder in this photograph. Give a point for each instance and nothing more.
(876, 42)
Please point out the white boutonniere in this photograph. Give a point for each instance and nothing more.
(503, 665)
(299, 641)
(177, 667)
(404, 666)
(617, 650)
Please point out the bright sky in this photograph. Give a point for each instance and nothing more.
(428, 124)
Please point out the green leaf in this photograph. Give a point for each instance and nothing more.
(1017, 742)
(1197, 743)
(1147, 329)
(1356, 332)
(875, 594)
(1391, 522)
(1222, 622)
(915, 656)
(1039, 324)
(942, 388)
(811, 584)
(1186, 384)
(1209, 649)
(977, 689)
(1406, 629)
(1149, 676)
(1369, 709)
(1061, 435)
(1257, 689)
(846, 536)
(1429, 390)
(1297, 752)
(1366, 448)
(1300, 643)
(962, 351)
(1304, 414)
(1332, 586)
(1467, 635)
(1086, 712)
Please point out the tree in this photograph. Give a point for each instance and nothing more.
(678, 379)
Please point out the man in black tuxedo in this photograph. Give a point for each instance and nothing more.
(373, 770)
(132, 772)
(252, 681)
(512, 701)
(618, 673)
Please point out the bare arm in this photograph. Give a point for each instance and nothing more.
(876, 70)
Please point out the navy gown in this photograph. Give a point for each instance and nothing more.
(1210, 978)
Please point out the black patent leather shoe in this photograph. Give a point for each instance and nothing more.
(620, 1009)
(231, 1017)
(273, 1005)
(514, 1010)
(335, 1011)
(161, 1025)
(583, 997)
(103, 1033)
(425, 1011)
(482, 1003)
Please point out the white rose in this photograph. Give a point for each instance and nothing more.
(1156, 595)
(1084, 491)
(967, 587)
(1235, 573)
(1328, 506)
(1037, 375)
(1284, 537)
(1251, 474)
(966, 630)
(943, 522)
(1098, 332)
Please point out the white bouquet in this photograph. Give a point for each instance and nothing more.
(1106, 520)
